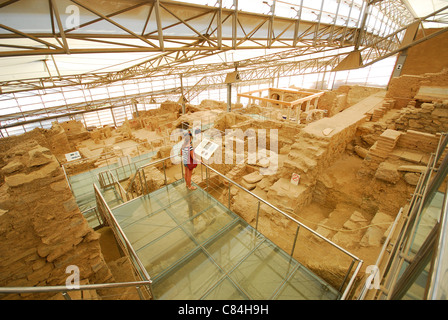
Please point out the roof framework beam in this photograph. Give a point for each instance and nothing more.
(265, 31)
(187, 15)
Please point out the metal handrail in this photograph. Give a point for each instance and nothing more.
(125, 239)
(282, 212)
(65, 289)
(140, 169)
(115, 181)
(414, 211)
(363, 291)
(412, 214)
(440, 249)
(360, 262)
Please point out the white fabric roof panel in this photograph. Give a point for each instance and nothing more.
(34, 16)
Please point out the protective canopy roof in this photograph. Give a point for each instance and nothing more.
(34, 17)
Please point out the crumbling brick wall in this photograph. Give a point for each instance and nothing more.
(403, 89)
(42, 230)
(429, 117)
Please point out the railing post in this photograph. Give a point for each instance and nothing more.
(164, 170)
(295, 240)
(140, 293)
(346, 275)
(229, 198)
(206, 178)
(352, 280)
(146, 182)
(258, 213)
(109, 179)
(66, 296)
(140, 179)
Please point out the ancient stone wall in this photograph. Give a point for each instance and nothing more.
(357, 93)
(284, 95)
(42, 230)
(55, 139)
(310, 155)
(429, 117)
(75, 131)
(398, 156)
(418, 141)
(333, 102)
(213, 104)
(337, 100)
(227, 120)
(404, 88)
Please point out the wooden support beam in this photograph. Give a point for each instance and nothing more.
(159, 24)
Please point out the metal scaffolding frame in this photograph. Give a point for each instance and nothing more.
(178, 35)
(178, 28)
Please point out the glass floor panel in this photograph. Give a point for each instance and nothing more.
(82, 184)
(194, 248)
(304, 283)
(189, 280)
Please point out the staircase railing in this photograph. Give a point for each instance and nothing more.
(107, 179)
(394, 253)
(345, 287)
(122, 240)
(140, 176)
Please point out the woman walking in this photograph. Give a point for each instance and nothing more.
(189, 159)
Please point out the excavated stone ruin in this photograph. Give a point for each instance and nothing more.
(358, 165)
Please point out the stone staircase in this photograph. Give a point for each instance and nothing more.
(382, 147)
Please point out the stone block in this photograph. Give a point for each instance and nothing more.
(12, 167)
(40, 274)
(248, 186)
(323, 231)
(411, 156)
(38, 158)
(374, 235)
(415, 124)
(360, 151)
(287, 195)
(387, 172)
(443, 113)
(19, 179)
(253, 177)
(412, 178)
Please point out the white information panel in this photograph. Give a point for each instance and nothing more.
(205, 149)
(72, 156)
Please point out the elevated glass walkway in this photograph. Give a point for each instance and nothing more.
(194, 248)
(81, 184)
